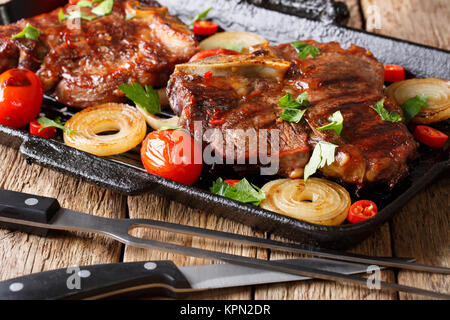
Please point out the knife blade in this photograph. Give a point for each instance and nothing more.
(155, 279)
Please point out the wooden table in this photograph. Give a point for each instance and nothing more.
(420, 230)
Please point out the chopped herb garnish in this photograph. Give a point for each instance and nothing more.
(130, 16)
(104, 8)
(292, 112)
(61, 16)
(200, 16)
(57, 123)
(322, 156)
(76, 14)
(337, 123)
(29, 32)
(392, 116)
(147, 98)
(164, 128)
(84, 4)
(305, 50)
(412, 106)
(243, 191)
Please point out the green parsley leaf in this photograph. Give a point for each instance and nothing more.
(104, 8)
(61, 16)
(77, 14)
(164, 128)
(412, 106)
(130, 16)
(57, 123)
(323, 155)
(147, 98)
(291, 115)
(29, 32)
(243, 191)
(200, 16)
(337, 123)
(392, 116)
(291, 106)
(84, 4)
(305, 50)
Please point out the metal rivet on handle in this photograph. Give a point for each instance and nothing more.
(150, 266)
(31, 201)
(16, 286)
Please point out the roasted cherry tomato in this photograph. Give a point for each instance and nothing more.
(232, 182)
(430, 137)
(205, 28)
(21, 97)
(361, 211)
(394, 73)
(212, 52)
(35, 128)
(172, 154)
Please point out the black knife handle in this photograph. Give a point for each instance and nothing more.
(158, 279)
(26, 207)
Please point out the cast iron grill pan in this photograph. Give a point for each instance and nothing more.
(125, 174)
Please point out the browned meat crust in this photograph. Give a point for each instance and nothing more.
(83, 67)
(350, 80)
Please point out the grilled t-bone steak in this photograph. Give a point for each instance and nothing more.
(244, 93)
(83, 66)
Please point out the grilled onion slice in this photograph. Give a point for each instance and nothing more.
(437, 91)
(318, 201)
(231, 40)
(156, 122)
(126, 123)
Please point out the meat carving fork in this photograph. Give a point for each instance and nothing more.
(39, 214)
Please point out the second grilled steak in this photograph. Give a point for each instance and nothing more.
(244, 91)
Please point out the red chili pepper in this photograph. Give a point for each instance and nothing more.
(205, 28)
(361, 211)
(208, 75)
(35, 128)
(430, 137)
(212, 52)
(394, 73)
(232, 182)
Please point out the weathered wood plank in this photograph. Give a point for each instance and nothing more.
(419, 21)
(23, 254)
(153, 207)
(355, 20)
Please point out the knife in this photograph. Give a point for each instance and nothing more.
(41, 213)
(155, 279)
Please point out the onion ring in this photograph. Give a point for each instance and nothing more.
(318, 201)
(111, 117)
(437, 91)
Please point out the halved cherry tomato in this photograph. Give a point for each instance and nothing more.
(205, 28)
(393, 73)
(430, 137)
(361, 211)
(21, 97)
(35, 128)
(172, 154)
(232, 182)
(212, 52)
